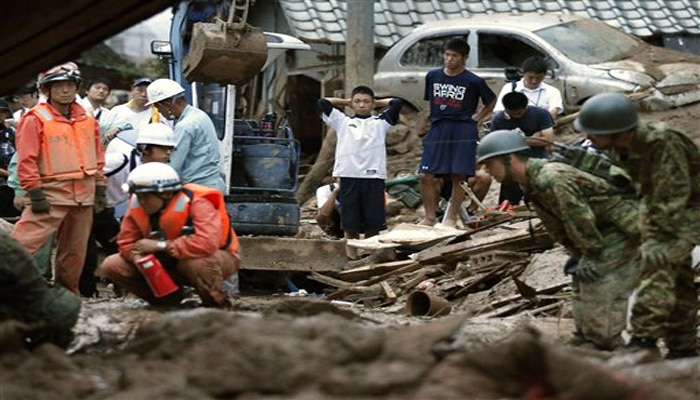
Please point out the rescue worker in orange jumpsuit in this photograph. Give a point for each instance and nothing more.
(60, 166)
(185, 226)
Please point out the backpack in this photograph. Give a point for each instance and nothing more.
(594, 162)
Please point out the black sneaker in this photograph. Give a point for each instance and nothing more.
(645, 347)
(637, 343)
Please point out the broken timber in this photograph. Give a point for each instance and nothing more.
(514, 241)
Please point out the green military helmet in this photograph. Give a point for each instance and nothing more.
(606, 114)
(499, 143)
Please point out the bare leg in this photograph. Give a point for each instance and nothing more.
(351, 252)
(430, 194)
(456, 199)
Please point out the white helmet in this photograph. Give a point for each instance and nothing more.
(153, 177)
(157, 134)
(162, 89)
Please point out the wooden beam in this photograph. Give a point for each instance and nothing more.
(367, 271)
(45, 33)
(518, 241)
(388, 291)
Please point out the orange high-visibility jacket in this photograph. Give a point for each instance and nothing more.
(68, 150)
(177, 213)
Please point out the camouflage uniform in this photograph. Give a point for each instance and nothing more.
(598, 222)
(25, 296)
(666, 164)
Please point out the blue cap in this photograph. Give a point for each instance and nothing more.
(142, 81)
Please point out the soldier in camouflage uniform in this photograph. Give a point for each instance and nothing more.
(595, 220)
(666, 165)
(36, 312)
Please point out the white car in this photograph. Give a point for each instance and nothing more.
(585, 56)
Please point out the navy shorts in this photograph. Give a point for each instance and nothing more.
(450, 148)
(362, 205)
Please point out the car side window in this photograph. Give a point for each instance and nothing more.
(499, 51)
(427, 52)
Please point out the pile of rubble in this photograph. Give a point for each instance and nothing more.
(500, 265)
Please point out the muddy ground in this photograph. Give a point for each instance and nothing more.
(276, 346)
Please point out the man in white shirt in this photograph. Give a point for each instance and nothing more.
(539, 94)
(132, 115)
(96, 92)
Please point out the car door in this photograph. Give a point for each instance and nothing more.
(496, 50)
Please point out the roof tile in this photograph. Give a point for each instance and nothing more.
(651, 5)
(527, 7)
(626, 5)
(295, 5)
(475, 7)
(500, 6)
(631, 14)
(577, 5)
(424, 7)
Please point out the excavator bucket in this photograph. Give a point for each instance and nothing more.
(225, 55)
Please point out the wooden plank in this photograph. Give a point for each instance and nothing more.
(408, 268)
(466, 288)
(367, 271)
(388, 291)
(518, 241)
(546, 308)
(327, 280)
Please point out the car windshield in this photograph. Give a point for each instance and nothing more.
(589, 42)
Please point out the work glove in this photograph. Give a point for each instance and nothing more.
(100, 199)
(571, 265)
(587, 273)
(653, 254)
(39, 203)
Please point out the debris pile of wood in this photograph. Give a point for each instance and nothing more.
(488, 263)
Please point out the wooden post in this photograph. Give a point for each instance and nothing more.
(359, 45)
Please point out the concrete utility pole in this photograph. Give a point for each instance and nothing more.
(359, 47)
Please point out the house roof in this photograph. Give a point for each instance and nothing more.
(324, 20)
(38, 34)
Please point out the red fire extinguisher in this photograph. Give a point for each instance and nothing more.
(157, 277)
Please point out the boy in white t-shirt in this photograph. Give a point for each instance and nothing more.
(360, 159)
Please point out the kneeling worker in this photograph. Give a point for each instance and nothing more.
(594, 219)
(185, 227)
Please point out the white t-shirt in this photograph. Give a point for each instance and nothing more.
(361, 148)
(117, 169)
(324, 192)
(122, 114)
(545, 96)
